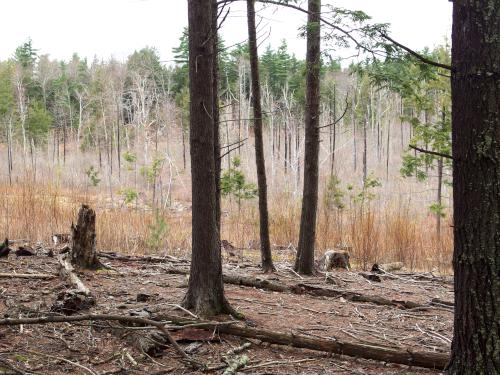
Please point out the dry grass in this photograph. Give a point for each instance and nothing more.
(375, 234)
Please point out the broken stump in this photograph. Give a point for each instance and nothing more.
(83, 240)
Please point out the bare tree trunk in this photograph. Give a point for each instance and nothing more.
(119, 122)
(388, 151)
(365, 151)
(8, 130)
(183, 145)
(216, 117)
(333, 129)
(476, 186)
(205, 294)
(265, 243)
(439, 198)
(305, 254)
(355, 153)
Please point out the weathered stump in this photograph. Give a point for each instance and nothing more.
(83, 242)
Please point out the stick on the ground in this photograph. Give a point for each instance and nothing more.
(375, 352)
(39, 276)
(307, 289)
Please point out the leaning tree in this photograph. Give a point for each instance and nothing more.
(476, 186)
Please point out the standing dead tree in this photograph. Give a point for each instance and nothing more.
(83, 242)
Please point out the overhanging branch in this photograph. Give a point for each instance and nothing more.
(431, 152)
(415, 54)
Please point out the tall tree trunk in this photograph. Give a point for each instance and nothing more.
(333, 129)
(265, 243)
(305, 254)
(205, 294)
(439, 198)
(476, 186)
(216, 116)
(365, 151)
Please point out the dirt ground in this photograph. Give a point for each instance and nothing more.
(109, 348)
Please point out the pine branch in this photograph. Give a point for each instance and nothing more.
(431, 152)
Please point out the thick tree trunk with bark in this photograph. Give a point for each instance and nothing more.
(205, 293)
(265, 243)
(305, 254)
(83, 242)
(216, 115)
(476, 186)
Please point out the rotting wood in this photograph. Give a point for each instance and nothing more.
(333, 345)
(302, 288)
(67, 271)
(83, 240)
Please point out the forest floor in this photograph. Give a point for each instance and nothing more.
(111, 348)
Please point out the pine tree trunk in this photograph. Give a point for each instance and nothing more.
(205, 293)
(476, 186)
(216, 117)
(83, 247)
(265, 243)
(307, 237)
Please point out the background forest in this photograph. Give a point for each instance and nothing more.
(115, 134)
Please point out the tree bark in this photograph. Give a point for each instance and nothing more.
(476, 186)
(305, 254)
(205, 293)
(83, 242)
(216, 116)
(265, 243)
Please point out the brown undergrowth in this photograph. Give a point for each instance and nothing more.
(372, 232)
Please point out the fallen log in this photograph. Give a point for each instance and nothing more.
(66, 271)
(39, 276)
(147, 259)
(302, 288)
(379, 353)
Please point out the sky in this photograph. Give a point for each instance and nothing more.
(115, 28)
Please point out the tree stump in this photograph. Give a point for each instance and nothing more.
(83, 242)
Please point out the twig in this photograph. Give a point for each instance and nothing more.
(293, 271)
(14, 369)
(416, 54)
(89, 370)
(185, 310)
(336, 121)
(276, 363)
(104, 317)
(447, 156)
